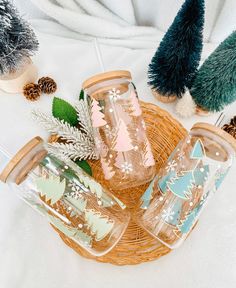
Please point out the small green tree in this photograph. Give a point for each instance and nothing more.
(215, 84)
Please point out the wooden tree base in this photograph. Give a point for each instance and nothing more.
(202, 112)
(14, 82)
(164, 99)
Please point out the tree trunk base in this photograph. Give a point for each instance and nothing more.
(162, 98)
(14, 82)
(202, 112)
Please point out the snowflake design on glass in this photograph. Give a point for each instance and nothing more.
(76, 190)
(171, 166)
(168, 215)
(126, 167)
(114, 94)
(110, 133)
(181, 156)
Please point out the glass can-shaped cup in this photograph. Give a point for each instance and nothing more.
(73, 202)
(119, 129)
(171, 205)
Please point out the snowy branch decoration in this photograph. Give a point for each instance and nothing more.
(79, 142)
(84, 118)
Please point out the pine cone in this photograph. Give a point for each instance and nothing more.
(32, 91)
(233, 121)
(231, 129)
(47, 85)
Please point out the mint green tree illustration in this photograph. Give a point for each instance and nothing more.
(79, 203)
(71, 232)
(52, 188)
(99, 225)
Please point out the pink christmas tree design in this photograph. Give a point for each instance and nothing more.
(148, 156)
(122, 140)
(97, 115)
(136, 110)
(107, 170)
(119, 160)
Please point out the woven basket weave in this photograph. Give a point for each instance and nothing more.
(136, 246)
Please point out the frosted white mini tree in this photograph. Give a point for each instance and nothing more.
(97, 115)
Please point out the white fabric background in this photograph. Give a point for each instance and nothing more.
(33, 256)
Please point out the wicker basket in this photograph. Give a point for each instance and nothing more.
(136, 246)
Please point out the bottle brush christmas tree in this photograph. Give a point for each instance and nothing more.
(17, 39)
(215, 84)
(176, 61)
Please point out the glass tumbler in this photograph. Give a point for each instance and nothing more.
(173, 202)
(72, 201)
(119, 129)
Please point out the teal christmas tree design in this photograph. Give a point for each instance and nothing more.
(147, 196)
(163, 182)
(181, 186)
(201, 175)
(190, 219)
(198, 150)
(220, 179)
(52, 188)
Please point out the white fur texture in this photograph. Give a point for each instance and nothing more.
(185, 106)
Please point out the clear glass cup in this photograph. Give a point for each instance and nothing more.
(72, 201)
(119, 130)
(173, 202)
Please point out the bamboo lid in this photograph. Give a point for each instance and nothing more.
(105, 76)
(14, 162)
(218, 131)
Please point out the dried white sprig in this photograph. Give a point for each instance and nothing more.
(84, 118)
(80, 143)
(77, 151)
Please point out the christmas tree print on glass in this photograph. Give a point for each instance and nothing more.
(97, 116)
(148, 156)
(147, 196)
(220, 179)
(171, 215)
(201, 175)
(99, 225)
(136, 110)
(190, 219)
(122, 139)
(198, 151)
(107, 169)
(165, 180)
(119, 160)
(71, 232)
(181, 186)
(52, 188)
(79, 203)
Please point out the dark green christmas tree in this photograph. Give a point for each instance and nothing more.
(17, 39)
(215, 84)
(176, 61)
